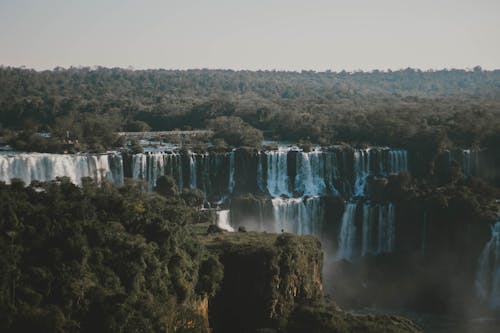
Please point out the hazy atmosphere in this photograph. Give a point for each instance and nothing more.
(271, 34)
(250, 166)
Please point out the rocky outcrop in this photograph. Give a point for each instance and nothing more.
(265, 276)
(273, 283)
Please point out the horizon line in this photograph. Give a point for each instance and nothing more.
(186, 69)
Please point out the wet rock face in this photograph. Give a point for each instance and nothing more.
(265, 276)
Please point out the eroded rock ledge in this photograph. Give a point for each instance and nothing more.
(273, 283)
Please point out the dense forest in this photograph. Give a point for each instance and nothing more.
(402, 108)
(100, 258)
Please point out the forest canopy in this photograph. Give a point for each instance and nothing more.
(395, 108)
(99, 258)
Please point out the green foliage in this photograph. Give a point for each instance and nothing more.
(137, 126)
(166, 186)
(193, 197)
(265, 276)
(236, 132)
(323, 319)
(407, 108)
(97, 258)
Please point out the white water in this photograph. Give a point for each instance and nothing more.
(386, 229)
(152, 165)
(45, 167)
(231, 171)
(260, 173)
(316, 172)
(223, 220)
(301, 216)
(488, 275)
(361, 170)
(277, 173)
(398, 161)
(469, 160)
(378, 230)
(347, 235)
(310, 178)
(203, 170)
(192, 171)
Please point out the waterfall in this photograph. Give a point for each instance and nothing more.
(377, 230)
(398, 161)
(204, 170)
(139, 162)
(173, 168)
(468, 159)
(223, 220)
(386, 228)
(361, 170)
(466, 162)
(331, 172)
(277, 173)
(347, 235)
(45, 167)
(152, 165)
(310, 178)
(488, 274)
(470, 163)
(297, 215)
(260, 175)
(192, 171)
(155, 168)
(231, 171)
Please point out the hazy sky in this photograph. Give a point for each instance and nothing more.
(251, 34)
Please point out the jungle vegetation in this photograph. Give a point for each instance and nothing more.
(397, 108)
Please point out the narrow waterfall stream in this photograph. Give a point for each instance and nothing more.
(488, 274)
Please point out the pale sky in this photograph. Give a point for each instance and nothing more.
(251, 34)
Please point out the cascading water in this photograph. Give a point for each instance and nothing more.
(347, 236)
(139, 162)
(192, 171)
(223, 220)
(331, 170)
(231, 171)
(466, 162)
(295, 180)
(260, 173)
(361, 170)
(310, 178)
(377, 230)
(297, 215)
(277, 173)
(488, 274)
(386, 228)
(173, 168)
(155, 168)
(469, 160)
(398, 160)
(44, 167)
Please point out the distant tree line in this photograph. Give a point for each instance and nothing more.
(454, 107)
